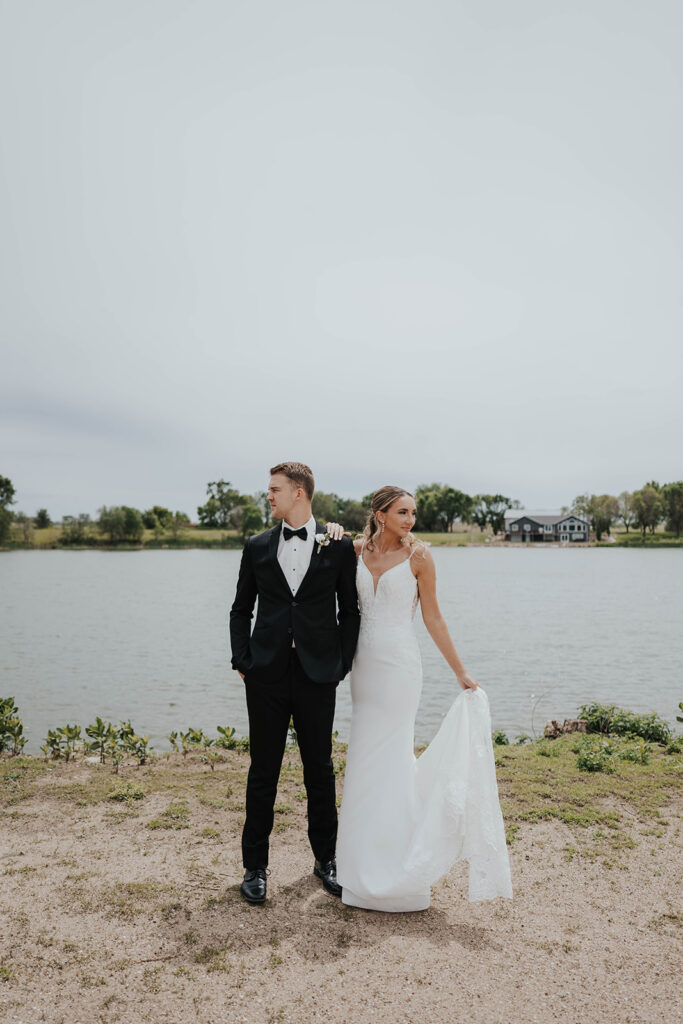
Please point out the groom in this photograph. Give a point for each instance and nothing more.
(291, 664)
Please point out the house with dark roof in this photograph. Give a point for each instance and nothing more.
(524, 527)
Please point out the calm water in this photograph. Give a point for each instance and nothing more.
(143, 635)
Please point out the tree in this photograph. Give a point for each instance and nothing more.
(648, 507)
(251, 521)
(626, 513)
(111, 521)
(427, 502)
(74, 533)
(327, 508)
(157, 515)
(453, 505)
(673, 506)
(175, 522)
(121, 523)
(222, 500)
(134, 527)
(42, 520)
(26, 527)
(354, 516)
(490, 509)
(439, 506)
(601, 510)
(260, 499)
(7, 493)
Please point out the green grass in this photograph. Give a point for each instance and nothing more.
(17, 778)
(175, 816)
(191, 537)
(128, 899)
(598, 807)
(635, 539)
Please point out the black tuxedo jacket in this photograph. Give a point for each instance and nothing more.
(325, 643)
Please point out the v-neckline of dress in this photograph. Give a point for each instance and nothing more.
(376, 579)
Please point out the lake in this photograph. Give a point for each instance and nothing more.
(143, 635)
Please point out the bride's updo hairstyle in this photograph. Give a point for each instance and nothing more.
(382, 500)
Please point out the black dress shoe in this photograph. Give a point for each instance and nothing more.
(327, 872)
(253, 888)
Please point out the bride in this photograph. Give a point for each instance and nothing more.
(403, 823)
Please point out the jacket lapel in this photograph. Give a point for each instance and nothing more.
(273, 541)
(315, 559)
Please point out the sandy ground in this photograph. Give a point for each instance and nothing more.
(105, 919)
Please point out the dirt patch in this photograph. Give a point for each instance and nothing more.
(121, 903)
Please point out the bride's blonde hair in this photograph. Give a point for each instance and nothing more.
(382, 500)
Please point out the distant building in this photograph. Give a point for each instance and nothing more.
(524, 527)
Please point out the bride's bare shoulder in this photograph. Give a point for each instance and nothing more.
(358, 545)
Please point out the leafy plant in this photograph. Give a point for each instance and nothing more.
(131, 743)
(500, 739)
(173, 740)
(638, 752)
(226, 738)
(138, 746)
(608, 718)
(61, 742)
(594, 754)
(11, 727)
(100, 733)
(210, 757)
(679, 718)
(55, 744)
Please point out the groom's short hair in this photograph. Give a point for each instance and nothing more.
(300, 474)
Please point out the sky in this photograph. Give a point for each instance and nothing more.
(401, 242)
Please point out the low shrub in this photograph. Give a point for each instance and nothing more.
(608, 718)
(595, 755)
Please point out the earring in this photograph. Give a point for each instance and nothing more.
(381, 526)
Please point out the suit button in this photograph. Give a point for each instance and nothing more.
(293, 604)
(290, 631)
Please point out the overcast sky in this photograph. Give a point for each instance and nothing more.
(400, 241)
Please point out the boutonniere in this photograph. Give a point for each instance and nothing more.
(322, 540)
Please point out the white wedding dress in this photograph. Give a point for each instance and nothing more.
(404, 822)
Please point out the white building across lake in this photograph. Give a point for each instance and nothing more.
(523, 527)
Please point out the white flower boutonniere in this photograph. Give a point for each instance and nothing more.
(322, 540)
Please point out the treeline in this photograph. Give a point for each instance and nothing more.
(440, 507)
(647, 508)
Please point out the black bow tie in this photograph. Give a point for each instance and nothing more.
(295, 533)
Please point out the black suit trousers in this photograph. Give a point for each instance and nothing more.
(270, 706)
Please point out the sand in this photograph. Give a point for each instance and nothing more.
(105, 918)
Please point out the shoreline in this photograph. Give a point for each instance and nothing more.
(231, 544)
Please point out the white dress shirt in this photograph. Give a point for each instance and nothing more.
(294, 555)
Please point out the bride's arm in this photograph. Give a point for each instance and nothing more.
(434, 620)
